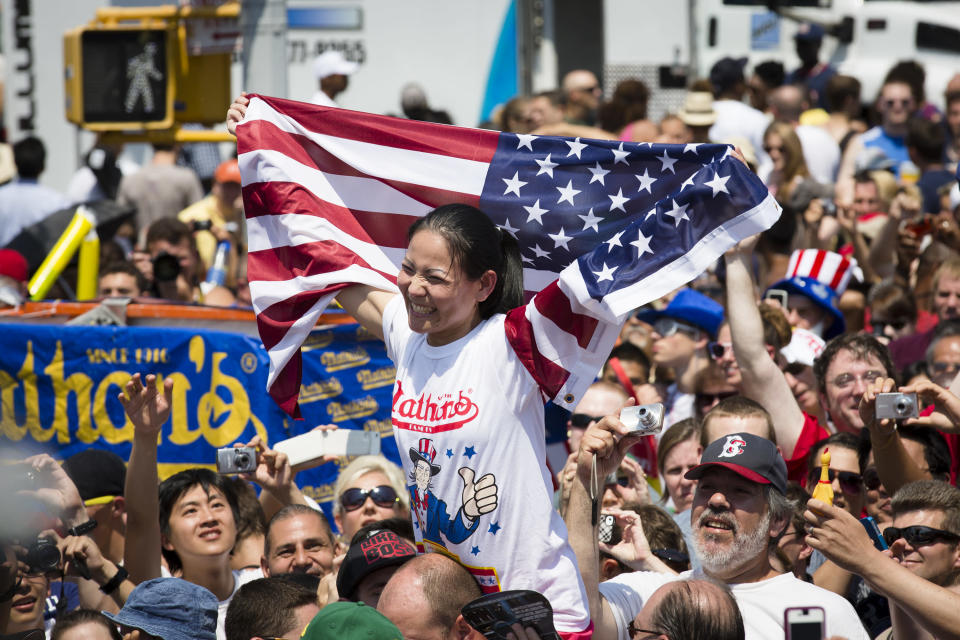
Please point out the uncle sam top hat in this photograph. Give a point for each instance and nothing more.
(426, 454)
(821, 276)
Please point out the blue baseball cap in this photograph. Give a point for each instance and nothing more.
(809, 31)
(171, 609)
(821, 295)
(691, 307)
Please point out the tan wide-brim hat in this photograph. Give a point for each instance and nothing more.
(697, 109)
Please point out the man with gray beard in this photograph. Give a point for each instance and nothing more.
(739, 509)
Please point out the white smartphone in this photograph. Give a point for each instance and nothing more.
(303, 449)
(804, 623)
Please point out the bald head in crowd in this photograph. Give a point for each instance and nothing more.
(787, 103)
(424, 597)
(692, 610)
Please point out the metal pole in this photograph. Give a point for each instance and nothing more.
(264, 55)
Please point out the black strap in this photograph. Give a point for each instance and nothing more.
(114, 582)
(83, 529)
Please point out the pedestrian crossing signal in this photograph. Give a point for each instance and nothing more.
(120, 77)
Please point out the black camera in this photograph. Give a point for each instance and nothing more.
(166, 267)
(43, 556)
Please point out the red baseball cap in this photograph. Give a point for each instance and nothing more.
(13, 265)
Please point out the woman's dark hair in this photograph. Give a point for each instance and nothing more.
(82, 616)
(477, 246)
(174, 487)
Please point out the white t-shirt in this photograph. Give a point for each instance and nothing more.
(240, 578)
(734, 118)
(761, 603)
(472, 405)
(821, 153)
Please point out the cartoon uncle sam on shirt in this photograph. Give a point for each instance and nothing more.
(431, 512)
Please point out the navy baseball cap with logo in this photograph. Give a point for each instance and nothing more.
(747, 455)
(381, 548)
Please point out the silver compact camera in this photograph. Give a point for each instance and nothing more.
(897, 406)
(236, 460)
(644, 420)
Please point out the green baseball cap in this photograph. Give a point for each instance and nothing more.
(350, 621)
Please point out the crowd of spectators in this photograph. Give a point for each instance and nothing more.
(773, 357)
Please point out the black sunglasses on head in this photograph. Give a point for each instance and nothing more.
(918, 535)
(382, 496)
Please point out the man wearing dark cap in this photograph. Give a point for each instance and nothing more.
(735, 118)
(812, 74)
(738, 507)
(99, 476)
(369, 564)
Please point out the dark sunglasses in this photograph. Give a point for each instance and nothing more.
(879, 325)
(795, 368)
(906, 102)
(918, 535)
(671, 555)
(850, 482)
(382, 496)
(582, 420)
(718, 349)
(704, 399)
(871, 479)
(634, 632)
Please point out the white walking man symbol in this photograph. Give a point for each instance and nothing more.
(140, 70)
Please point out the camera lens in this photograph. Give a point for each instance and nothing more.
(242, 460)
(902, 406)
(43, 556)
(166, 267)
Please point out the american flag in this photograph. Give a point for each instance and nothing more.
(329, 195)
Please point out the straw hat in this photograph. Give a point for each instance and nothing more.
(697, 109)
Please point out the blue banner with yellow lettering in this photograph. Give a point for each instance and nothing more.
(59, 388)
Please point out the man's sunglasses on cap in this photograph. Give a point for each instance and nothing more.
(666, 327)
(918, 535)
(382, 496)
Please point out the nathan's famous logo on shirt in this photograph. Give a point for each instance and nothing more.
(337, 360)
(433, 413)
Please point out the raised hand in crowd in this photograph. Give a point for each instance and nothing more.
(843, 540)
(946, 406)
(148, 409)
(274, 475)
(55, 490)
(633, 550)
(637, 490)
(237, 111)
(894, 464)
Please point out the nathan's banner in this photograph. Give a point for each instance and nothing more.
(59, 388)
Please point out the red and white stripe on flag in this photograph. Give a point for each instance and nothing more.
(329, 195)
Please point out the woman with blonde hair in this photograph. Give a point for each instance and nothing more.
(369, 489)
